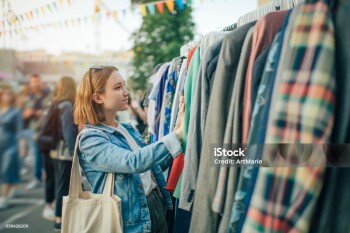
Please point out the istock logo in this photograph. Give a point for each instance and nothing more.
(230, 153)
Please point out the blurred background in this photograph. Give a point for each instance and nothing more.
(42, 41)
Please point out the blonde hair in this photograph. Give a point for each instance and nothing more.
(7, 88)
(94, 81)
(66, 89)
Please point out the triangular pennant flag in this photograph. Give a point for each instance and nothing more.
(37, 12)
(115, 14)
(180, 4)
(16, 19)
(55, 6)
(124, 12)
(93, 18)
(49, 7)
(3, 24)
(160, 7)
(143, 9)
(108, 13)
(26, 15)
(9, 22)
(66, 23)
(69, 2)
(61, 3)
(16, 31)
(151, 8)
(170, 5)
(31, 14)
(86, 19)
(42, 8)
(79, 19)
(22, 17)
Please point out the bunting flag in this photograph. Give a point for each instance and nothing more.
(42, 10)
(170, 5)
(180, 4)
(37, 12)
(143, 9)
(49, 7)
(160, 7)
(151, 8)
(55, 6)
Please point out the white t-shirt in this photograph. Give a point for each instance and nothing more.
(147, 181)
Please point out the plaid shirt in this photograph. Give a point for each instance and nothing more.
(302, 111)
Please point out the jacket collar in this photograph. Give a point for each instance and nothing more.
(108, 129)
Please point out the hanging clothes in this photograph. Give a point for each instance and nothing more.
(190, 85)
(198, 115)
(226, 185)
(333, 205)
(203, 219)
(168, 96)
(151, 114)
(297, 189)
(265, 31)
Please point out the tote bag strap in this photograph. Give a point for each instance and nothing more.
(75, 187)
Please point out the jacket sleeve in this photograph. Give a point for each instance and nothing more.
(105, 156)
(69, 129)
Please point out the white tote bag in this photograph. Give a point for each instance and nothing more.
(85, 212)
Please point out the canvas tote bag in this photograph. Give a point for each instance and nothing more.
(85, 212)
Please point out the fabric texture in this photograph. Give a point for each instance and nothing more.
(210, 49)
(307, 83)
(203, 218)
(265, 30)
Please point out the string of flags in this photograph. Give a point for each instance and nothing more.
(13, 24)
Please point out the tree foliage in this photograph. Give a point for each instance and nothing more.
(158, 40)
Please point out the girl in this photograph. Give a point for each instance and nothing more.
(11, 125)
(64, 97)
(110, 146)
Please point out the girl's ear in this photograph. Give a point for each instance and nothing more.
(96, 97)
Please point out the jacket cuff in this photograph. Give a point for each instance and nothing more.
(172, 143)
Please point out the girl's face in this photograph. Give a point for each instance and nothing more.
(7, 97)
(115, 97)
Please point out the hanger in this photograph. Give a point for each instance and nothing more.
(230, 28)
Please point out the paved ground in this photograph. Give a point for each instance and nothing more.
(26, 211)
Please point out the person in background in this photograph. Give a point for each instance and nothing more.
(33, 109)
(140, 115)
(64, 96)
(11, 125)
(107, 146)
(22, 98)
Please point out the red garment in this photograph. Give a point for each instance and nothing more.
(189, 56)
(265, 30)
(175, 172)
(179, 162)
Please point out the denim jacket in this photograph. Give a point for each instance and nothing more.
(68, 131)
(102, 149)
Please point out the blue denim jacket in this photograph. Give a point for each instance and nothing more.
(102, 149)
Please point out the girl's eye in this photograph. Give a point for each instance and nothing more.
(117, 88)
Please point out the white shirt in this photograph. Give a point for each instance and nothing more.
(148, 183)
